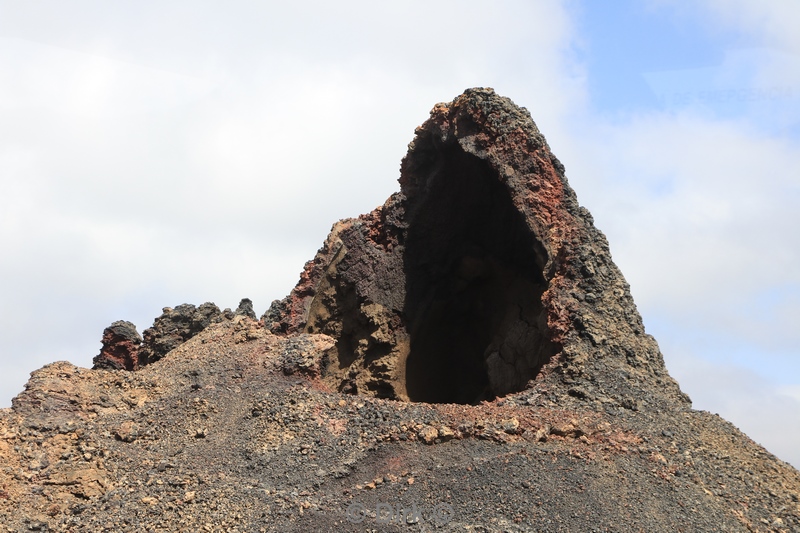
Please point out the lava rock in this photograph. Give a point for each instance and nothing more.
(174, 327)
(121, 344)
(246, 308)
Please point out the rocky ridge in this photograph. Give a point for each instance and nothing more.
(467, 357)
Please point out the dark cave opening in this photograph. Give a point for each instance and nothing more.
(474, 284)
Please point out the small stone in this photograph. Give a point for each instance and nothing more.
(410, 480)
(246, 308)
(564, 430)
(428, 434)
(149, 500)
(605, 426)
(189, 496)
(659, 458)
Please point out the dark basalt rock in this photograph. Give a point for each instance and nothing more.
(174, 327)
(482, 274)
(246, 308)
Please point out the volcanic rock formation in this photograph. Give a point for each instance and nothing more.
(466, 357)
(123, 347)
(473, 278)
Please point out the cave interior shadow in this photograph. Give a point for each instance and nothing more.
(474, 283)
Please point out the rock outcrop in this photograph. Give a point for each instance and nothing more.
(124, 349)
(245, 308)
(482, 274)
(120, 351)
(174, 327)
(464, 358)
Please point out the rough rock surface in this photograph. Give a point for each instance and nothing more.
(174, 327)
(481, 274)
(246, 308)
(120, 351)
(123, 347)
(483, 289)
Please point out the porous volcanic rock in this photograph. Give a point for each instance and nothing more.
(124, 349)
(174, 327)
(482, 274)
(245, 308)
(120, 351)
(484, 295)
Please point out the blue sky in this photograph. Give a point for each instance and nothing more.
(655, 59)
(704, 228)
(625, 39)
(160, 153)
(642, 57)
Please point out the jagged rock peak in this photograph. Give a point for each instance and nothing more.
(480, 277)
(246, 308)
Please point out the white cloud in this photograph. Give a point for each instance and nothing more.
(760, 84)
(707, 207)
(764, 76)
(773, 22)
(701, 215)
(792, 391)
(60, 81)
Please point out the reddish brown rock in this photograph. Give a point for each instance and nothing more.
(482, 272)
(121, 344)
(483, 276)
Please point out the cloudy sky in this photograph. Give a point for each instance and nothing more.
(156, 153)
